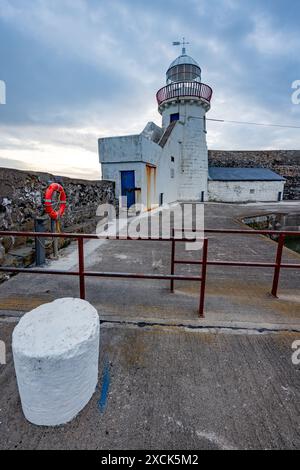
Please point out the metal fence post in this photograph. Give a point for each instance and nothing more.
(278, 265)
(203, 278)
(172, 260)
(40, 249)
(81, 268)
(54, 239)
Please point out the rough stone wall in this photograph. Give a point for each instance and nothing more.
(21, 200)
(284, 162)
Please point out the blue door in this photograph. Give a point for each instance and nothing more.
(128, 186)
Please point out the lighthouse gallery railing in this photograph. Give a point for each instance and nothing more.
(183, 89)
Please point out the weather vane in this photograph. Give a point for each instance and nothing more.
(183, 44)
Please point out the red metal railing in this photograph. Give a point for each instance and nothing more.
(182, 89)
(277, 265)
(82, 273)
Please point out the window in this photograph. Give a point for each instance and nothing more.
(174, 117)
(252, 191)
(172, 159)
(184, 72)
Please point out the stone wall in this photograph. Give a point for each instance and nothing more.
(284, 162)
(21, 200)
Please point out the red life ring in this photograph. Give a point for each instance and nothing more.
(55, 187)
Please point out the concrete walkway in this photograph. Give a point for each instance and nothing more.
(235, 297)
(175, 381)
(172, 388)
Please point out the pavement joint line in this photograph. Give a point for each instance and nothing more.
(181, 326)
(144, 324)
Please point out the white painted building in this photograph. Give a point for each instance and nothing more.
(244, 185)
(169, 163)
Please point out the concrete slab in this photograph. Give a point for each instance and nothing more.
(169, 388)
(174, 381)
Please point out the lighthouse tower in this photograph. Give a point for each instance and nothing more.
(186, 99)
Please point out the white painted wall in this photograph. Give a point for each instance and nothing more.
(120, 149)
(240, 191)
(192, 149)
(127, 153)
(169, 172)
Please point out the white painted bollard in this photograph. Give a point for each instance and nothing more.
(56, 352)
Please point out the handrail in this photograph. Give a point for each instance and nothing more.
(277, 265)
(240, 231)
(81, 273)
(90, 236)
(182, 89)
(80, 237)
(94, 236)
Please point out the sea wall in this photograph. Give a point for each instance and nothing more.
(21, 200)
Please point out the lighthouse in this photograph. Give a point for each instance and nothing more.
(186, 99)
(167, 163)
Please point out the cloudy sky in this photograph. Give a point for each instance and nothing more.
(77, 70)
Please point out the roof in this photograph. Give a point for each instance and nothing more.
(243, 174)
(167, 134)
(184, 59)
